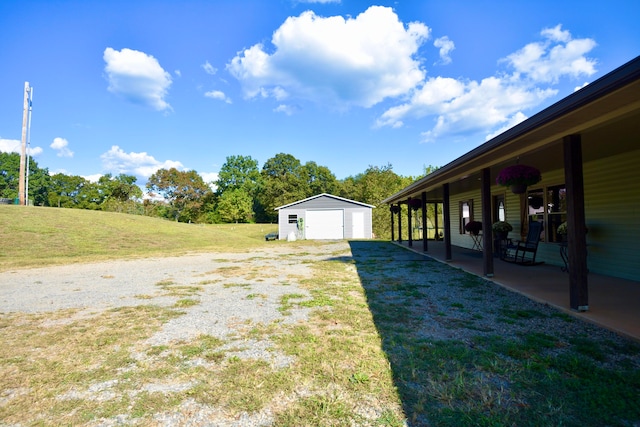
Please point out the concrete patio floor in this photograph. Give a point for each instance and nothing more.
(613, 303)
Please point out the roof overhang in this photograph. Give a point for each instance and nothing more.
(324, 195)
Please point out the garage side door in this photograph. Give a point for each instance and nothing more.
(324, 224)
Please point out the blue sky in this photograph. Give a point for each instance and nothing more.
(134, 86)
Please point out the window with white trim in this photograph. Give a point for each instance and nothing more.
(466, 214)
(549, 206)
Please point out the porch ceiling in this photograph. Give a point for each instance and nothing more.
(607, 119)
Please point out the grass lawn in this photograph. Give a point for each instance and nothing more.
(47, 236)
(379, 347)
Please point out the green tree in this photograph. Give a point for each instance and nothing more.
(283, 182)
(9, 175)
(373, 186)
(120, 193)
(122, 187)
(68, 191)
(239, 172)
(319, 179)
(184, 191)
(10, 179)
(235, 205)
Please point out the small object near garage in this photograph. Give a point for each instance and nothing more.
(325, 217)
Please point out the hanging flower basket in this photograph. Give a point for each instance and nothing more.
(501, 229)
(518, 177)
(415, 204)
(394, 209)
(473, 227)
(502, 226)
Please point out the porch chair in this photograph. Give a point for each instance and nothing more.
(524, 253)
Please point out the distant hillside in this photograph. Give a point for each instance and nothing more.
(36, 236)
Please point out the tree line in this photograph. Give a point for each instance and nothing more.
(244, 192)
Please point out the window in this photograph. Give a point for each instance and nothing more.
(466, 214)
(549, 206)
(556, 210)
(499, 209)
(293, 219)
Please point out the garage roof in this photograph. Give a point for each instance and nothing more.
(325, 195)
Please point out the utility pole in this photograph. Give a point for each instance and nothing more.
(26, 123)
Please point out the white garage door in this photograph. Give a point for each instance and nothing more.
(325, 224)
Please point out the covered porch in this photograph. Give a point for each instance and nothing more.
(613, 301)
(585, 152)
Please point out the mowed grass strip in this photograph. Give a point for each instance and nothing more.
(38, 236)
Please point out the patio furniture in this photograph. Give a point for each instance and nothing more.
(477, 242)
(564, 254)
(524, 253)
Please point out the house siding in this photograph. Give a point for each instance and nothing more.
(457, 239)
(612, 210)
(612, 207)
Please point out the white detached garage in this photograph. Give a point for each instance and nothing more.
(325, 217)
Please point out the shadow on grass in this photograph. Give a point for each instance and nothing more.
(466, 352)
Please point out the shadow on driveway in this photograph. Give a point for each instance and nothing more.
(461, 348)
(396, 284)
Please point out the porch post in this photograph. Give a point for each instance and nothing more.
(447, 221)
(424, 221)
(399, 223)
(487, 241)
(409, 222)
(393, 226)
(576, 228)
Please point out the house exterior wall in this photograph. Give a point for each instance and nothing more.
(612, 210)
(324, 203)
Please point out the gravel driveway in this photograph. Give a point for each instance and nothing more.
(229, 291)
(225, 284)
(100, 286)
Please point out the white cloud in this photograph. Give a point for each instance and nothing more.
(15, 146)
(209, 69)
(93, 178)
(460, 106)
(210, 178)
(61, 146)
(216, 94)
(517, 118)
(469, 107)
(557, 56)
(355, 61)
(286, 109)
(142, 164)
(137, 77)
(178, 73)
(446, 46)
(10, 145)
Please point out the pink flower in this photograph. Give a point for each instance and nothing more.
(518, 175)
